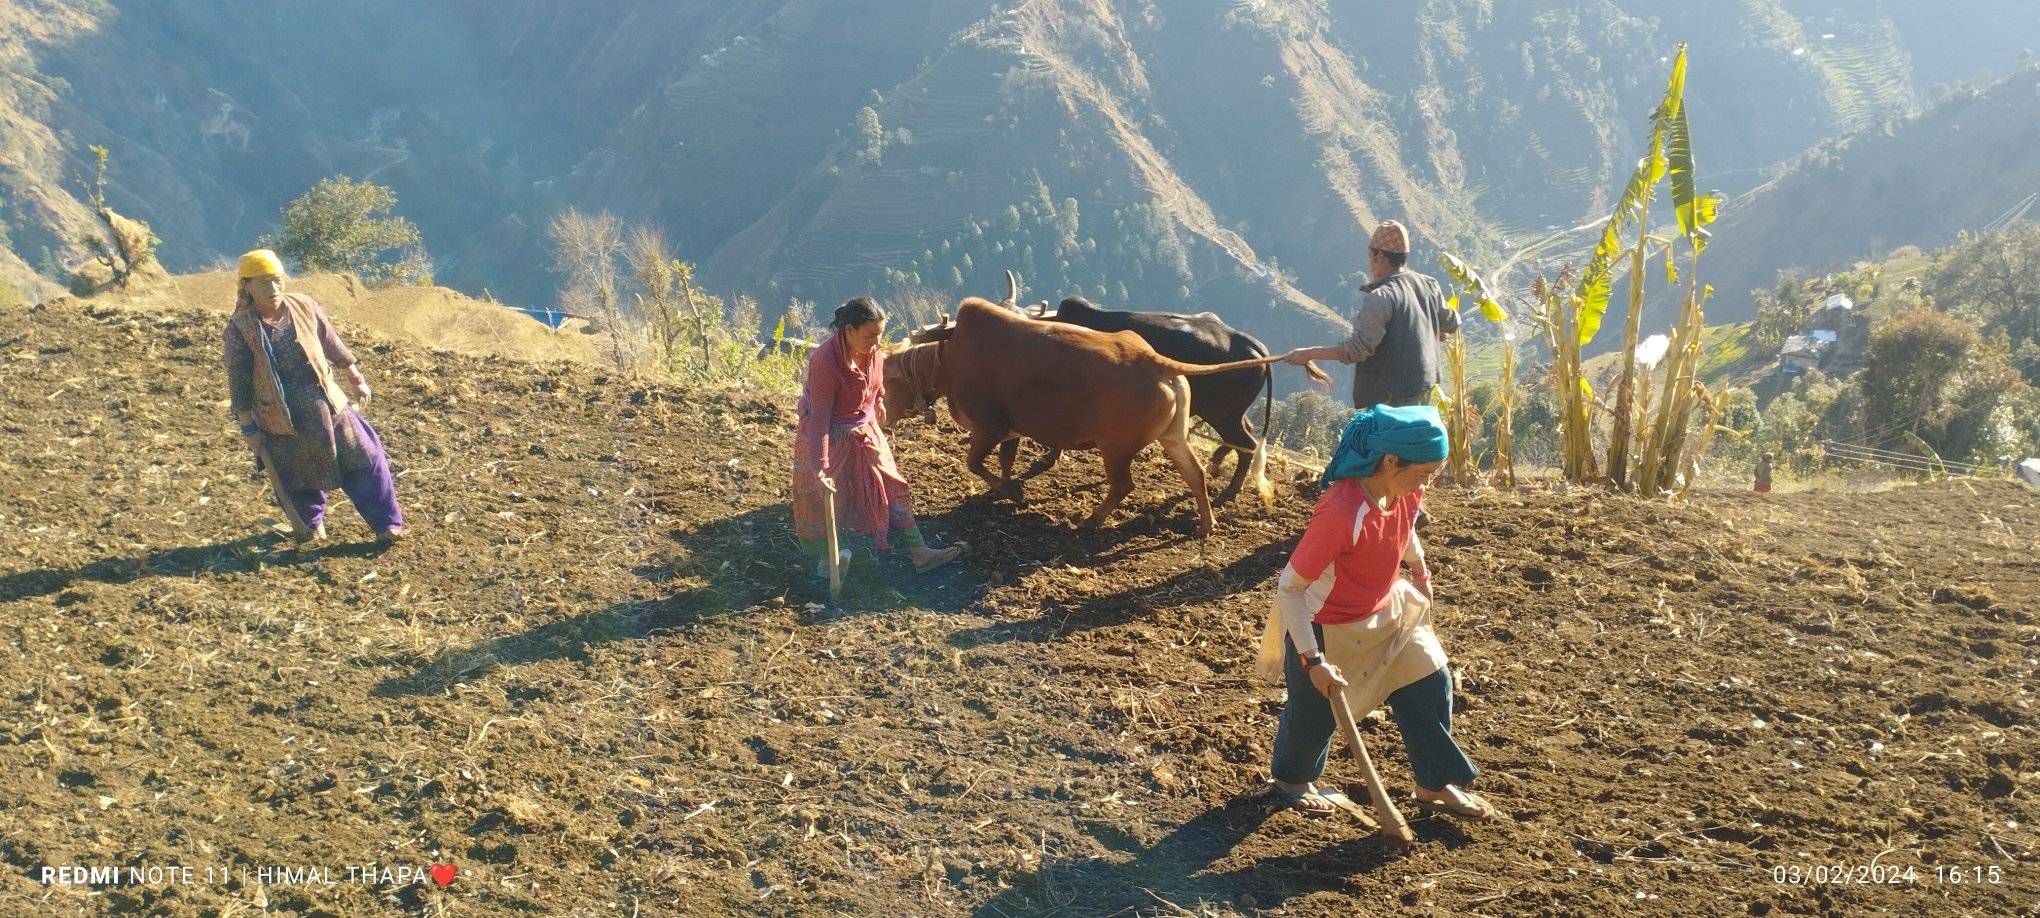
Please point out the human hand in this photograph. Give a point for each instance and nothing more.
(1325, 677)
(254, 441)
(1297, 358)
(357, 385)
(822, 478)
(1421, 579)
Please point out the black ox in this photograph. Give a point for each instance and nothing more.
(1222, 400)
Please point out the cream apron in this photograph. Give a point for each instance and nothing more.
(1377, 654)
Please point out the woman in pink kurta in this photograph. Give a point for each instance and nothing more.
(839, 447)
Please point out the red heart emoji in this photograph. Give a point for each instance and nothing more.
(442, 874)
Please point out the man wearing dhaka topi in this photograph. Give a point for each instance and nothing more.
(1394, 348)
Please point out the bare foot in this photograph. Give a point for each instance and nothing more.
(928, 559)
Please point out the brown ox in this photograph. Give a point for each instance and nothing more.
(1063, 386)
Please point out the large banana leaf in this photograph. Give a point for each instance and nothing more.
(1695, 210)
(1471, 281)
(1598, 280)
(1671, 153)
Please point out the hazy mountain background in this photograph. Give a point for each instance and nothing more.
(1198, 154)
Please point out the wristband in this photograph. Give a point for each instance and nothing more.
(1312, 660)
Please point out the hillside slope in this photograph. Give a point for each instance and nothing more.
(1914, 181)
(1223, 155)
(431, 317)
(587, 683)
(1918, 181)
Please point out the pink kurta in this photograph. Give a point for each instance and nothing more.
(839, 434)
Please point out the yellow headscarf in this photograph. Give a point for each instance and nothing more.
(260, 263)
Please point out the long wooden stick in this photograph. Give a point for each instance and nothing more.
(835, 550)
(298, 527)
(1392, 825)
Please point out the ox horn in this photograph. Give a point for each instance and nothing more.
(1012, 300)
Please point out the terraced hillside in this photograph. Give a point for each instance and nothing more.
(1222, 154)
(1915, 181)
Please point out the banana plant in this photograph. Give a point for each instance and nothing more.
(1667, 443)
(1709, 431)
(1669, 155)
(1559, 315)
(1460, 420)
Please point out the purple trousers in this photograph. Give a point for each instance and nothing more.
(372, 489)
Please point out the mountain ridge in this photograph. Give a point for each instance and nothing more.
(1214, 155)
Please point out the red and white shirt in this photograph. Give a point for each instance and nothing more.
(1346, 562)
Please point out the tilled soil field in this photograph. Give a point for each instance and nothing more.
(595, 683)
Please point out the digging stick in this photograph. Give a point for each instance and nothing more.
(1392, 825)
(835, 550)
(298, 527)
(1391, 821)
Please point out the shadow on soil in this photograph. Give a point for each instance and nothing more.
(726, 567)
(240, 556)
(1177, 870)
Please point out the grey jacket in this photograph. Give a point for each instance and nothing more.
(1394, 348)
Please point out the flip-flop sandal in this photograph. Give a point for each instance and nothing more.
(1293, 798)
(1476, 808)
(954, 551)
(1339, 801)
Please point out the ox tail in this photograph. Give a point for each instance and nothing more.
(1208, 369)
(1260, 467)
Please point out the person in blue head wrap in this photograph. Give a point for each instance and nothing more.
(1342, 606)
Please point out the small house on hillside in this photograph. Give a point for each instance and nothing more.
(1838, 309)
(1846, 329)
(1802, 353)
(1831, 340)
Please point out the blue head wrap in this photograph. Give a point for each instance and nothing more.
(1414, 434)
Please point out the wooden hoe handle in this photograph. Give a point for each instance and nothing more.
(1393, 826)
(835, 549)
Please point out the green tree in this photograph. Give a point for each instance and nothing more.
(1995, 281)
(1066, 224)
(1910, 361)
(1780, 311)
(121, 244)
(340, 225)
(1987, 397)
(1308, 422)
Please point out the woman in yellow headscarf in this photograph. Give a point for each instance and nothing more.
(293, 388)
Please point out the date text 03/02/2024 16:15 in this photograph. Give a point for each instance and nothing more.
(1884, 874)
